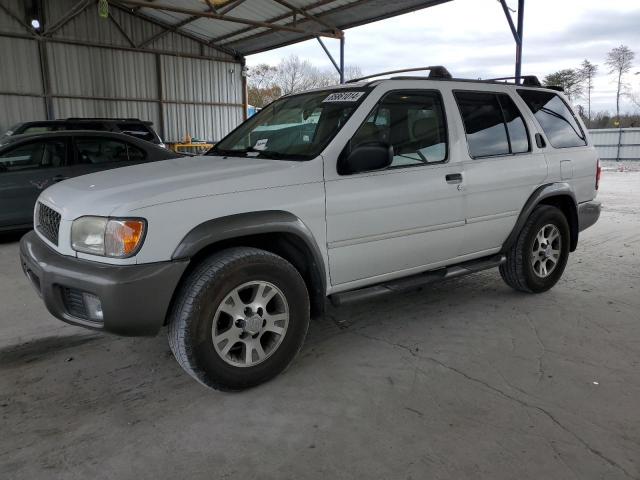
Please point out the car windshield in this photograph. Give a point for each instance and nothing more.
(295, 127)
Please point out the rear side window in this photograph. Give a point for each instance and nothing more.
(555, 117)
(493, 124)
(96, 151)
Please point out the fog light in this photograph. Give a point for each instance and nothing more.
(93, 306)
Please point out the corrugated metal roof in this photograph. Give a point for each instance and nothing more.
(248, 39)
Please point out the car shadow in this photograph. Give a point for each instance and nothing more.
(12, 236)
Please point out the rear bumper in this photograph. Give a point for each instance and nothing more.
(134, 298)
(588, 214)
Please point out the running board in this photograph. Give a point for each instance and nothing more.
(415, 281)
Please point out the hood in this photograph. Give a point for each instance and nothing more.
(173, 180)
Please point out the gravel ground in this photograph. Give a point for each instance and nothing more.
(467, 379)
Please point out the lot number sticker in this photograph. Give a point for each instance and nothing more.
(344, 97)
(261, 144)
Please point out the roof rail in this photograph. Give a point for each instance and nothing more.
(118, 119)
(436, 71)
(526, 80)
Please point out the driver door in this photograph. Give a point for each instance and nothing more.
(404, 219)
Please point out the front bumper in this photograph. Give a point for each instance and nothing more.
(588, 214)
(134, 298)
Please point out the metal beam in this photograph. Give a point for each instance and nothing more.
(166, 31)
(166, 26)
(226, 18)
(304, 13)
(279, 18)
(230, 6)
(76, 10)
(121, 30)
(84, 43)
(26, 26)
(326, 50)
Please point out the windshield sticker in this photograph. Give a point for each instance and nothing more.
(343, 97)
(261, 144)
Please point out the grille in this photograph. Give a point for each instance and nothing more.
(48, 223)
(74, 303)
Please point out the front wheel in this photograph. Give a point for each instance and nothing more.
(239, 319)
(538, 258)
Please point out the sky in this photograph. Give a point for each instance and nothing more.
(472, 39)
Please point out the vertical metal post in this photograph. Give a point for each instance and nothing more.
(519, 40)
(342, 59)
(160, 88)
(46, 81)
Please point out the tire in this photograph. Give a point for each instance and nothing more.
(523, 269)
(210, 313)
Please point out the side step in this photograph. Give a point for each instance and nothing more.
(415, 281)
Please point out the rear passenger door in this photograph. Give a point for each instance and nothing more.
(502, 167)
(25, 171)
(408, 217)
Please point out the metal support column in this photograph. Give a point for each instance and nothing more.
(519, 40)
(342, 59)
(339, 67)
(517, 33)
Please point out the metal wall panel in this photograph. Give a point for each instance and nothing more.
(71, 107)
(100, 72)
(15, 109)
(202, 122)
(606, 142)
(202, 97)
(20, 66)
(194, 80)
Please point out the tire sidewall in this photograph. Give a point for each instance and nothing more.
(218, 372)
(553, 216)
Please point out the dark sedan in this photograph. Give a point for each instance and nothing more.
(31, 163)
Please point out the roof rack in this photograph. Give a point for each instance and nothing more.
(117, 119)
(436, 71)
(526, 80)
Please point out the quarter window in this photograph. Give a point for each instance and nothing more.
(493, 124)
(555, 117)
(412, 122)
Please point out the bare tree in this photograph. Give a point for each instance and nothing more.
(587, 72)
(570, 81)
(295, 75)
(620, 61)
(260, 85)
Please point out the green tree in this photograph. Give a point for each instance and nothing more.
(570, 81)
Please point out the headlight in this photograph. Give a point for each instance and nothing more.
(108, 237)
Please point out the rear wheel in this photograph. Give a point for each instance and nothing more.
(239, 319)
(538, 258)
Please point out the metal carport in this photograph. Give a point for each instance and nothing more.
(178, 63)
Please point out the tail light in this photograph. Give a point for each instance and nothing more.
(598, 173)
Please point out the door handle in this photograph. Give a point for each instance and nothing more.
(453, 177)
(59, 178)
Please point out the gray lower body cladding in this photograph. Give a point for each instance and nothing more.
(588, 214)
(134, 298)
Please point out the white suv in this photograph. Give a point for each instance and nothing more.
(340, 193)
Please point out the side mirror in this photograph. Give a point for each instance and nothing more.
(366, 158)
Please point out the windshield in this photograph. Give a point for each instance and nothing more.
(297, 127)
